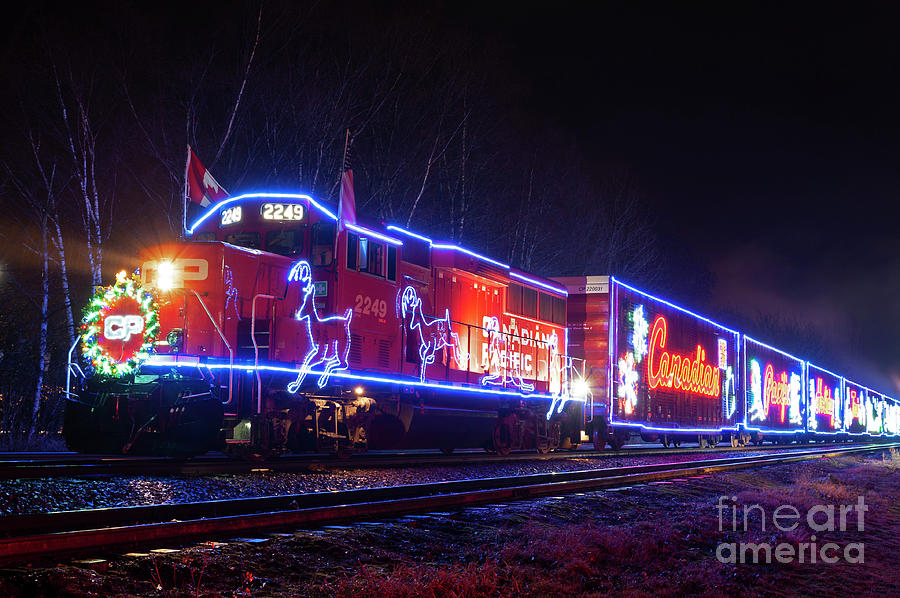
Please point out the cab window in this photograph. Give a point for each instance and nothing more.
(287, 241)
(365, 255)
(371, 257)
(322, 241)
(248, 240)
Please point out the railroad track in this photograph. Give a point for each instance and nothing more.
(75, 465)
(73, 532)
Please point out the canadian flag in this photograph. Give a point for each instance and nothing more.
(202, 188)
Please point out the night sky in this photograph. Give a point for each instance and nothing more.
(766, 138)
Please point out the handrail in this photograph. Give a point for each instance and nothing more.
(227, 346)
(70, 365)
(256, 347)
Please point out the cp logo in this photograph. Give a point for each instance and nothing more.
(172, 274)
(122, 327)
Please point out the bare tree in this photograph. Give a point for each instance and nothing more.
(81, 140)
(41, 200)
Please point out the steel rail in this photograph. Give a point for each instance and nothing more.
(62, 533)
(80, 465)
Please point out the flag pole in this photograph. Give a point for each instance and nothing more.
(340, 223)
(341, 178)
(185, 193)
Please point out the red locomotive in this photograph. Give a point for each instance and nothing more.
(281, 328)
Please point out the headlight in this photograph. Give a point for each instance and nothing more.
(580, 388)
(165, 276)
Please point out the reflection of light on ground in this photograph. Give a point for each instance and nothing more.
(151, 491)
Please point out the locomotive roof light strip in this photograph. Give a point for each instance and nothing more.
(549, 287)
(410, 233)
(469, 252)
(446, 246)
(216, 206)
(370, 233)
(434, 245)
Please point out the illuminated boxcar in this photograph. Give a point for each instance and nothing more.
(671, 375)
(825, 404)
(856, 407)
(773, 389)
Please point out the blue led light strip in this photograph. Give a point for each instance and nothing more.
(770, 348)
(810, 364)
(215, 207)
(672, 305)
(370, 233)
(409, 234)
(447, 246)
(365, 231)
(673, 430)
(349, 375)
(540, 284)
(468, 252)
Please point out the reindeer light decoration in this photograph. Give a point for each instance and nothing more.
(333, 352)
(434, 334)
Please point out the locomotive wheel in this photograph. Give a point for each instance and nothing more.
(665, 441)
(701, 442)
(619, 439)
(503, 435)
(599, 433)
(734, 442)
(676, 443)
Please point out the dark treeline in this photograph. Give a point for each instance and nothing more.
(100, 104)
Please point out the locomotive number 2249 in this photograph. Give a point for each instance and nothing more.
(369, 306)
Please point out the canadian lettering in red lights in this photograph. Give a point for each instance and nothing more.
(687, 372)
(776, 391)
